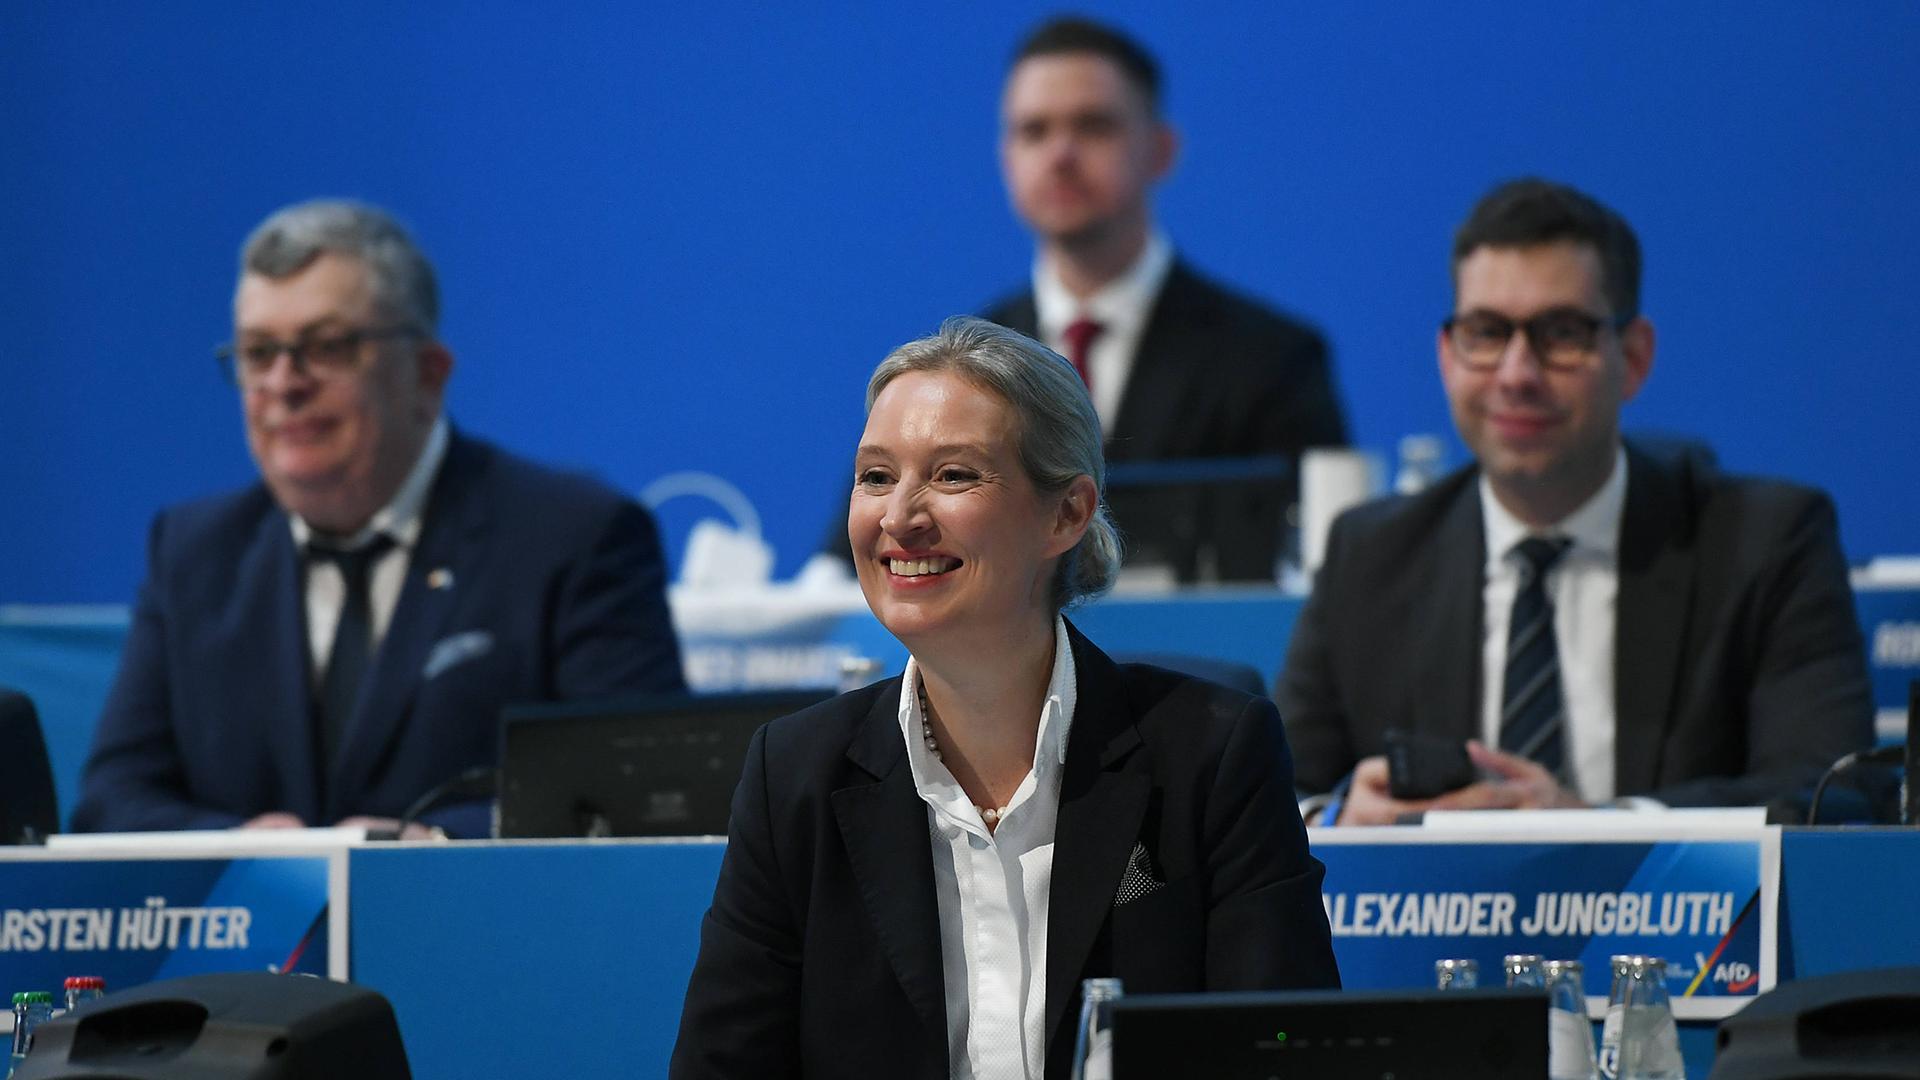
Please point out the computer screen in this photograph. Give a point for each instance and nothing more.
(28, 811)
(1335, 1035)
(654, 766)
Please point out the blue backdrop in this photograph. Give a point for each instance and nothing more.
(677, 236)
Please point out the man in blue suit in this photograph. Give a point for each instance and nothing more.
(330, 644)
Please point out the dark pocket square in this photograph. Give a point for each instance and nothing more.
(1142, 878)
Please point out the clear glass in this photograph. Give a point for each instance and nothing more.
(1649, 1040)
(1457, 974)
(1609, 1058)
(1570, 1053)
(1093, 1049)
(1422, 461)
(857, 671)
(1523, 969)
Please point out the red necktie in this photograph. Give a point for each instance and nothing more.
(1080, 335)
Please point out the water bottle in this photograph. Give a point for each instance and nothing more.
(1524, 970)
(1093, 1049)
(1460, 974)
(1569, 1034)
(1616, 1017)
(1649, 1041)
(84, 988)
(19, 1032)
(1421, 463)
(31, 1008)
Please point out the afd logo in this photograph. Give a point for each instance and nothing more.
(1737, 976)
(1897, 644)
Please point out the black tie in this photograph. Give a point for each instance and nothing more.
(1532, 713)
(352, 642)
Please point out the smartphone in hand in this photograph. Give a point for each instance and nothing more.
(1423, 766)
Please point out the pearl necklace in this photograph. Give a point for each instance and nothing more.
(989, 814)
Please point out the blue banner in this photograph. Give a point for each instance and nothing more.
(133, 921)
(1705, 906)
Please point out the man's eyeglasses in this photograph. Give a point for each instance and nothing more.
(322, 356)
(1565, 339)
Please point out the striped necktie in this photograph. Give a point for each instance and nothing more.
(1532, 711)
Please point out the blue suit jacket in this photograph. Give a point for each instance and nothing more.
(820, 956)
(526, 585)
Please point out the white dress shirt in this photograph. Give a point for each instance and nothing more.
(993, 887)
(1583, 586)
(401, 520)
(1122, 308)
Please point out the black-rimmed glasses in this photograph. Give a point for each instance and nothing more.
(1565, 339)
(322, 355)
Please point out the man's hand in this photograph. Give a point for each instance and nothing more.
(1368, 801)
(1532, 787)
(275, 819)
(413, 831)
(1512, 783)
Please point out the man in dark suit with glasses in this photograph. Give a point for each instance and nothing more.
(1600, 622)
(329, 645)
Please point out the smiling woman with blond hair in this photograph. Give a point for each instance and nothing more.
(919, 874)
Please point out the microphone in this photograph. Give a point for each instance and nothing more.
(1885, 755)
(477, 782)
(1910, 791)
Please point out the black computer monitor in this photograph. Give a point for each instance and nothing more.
(1205, 519)
(29, 813)
(1332, 1035)
(654, 766)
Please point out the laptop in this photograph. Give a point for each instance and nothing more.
(653, 766)
(1332, 1034)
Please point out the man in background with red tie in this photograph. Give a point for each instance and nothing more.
(1179, 367)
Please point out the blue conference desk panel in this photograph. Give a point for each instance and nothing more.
(534, 959)
(1846, 900)
(571, 958)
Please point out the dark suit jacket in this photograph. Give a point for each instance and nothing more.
(526, 585)
(1217, 375)
(821, 954)
(1739, 670)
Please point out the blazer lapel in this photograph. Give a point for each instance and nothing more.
(1101, 808)
(1449, 692)
(1162, 376)
(451, 549)
(1022, 314)
(272, 646)
(890, 850)
(1656, 564)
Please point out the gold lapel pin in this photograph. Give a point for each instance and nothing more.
(440, 578)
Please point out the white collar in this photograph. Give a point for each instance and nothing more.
(1050, 742)
(1594, 526)
(403, 515)
(1120, 305)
